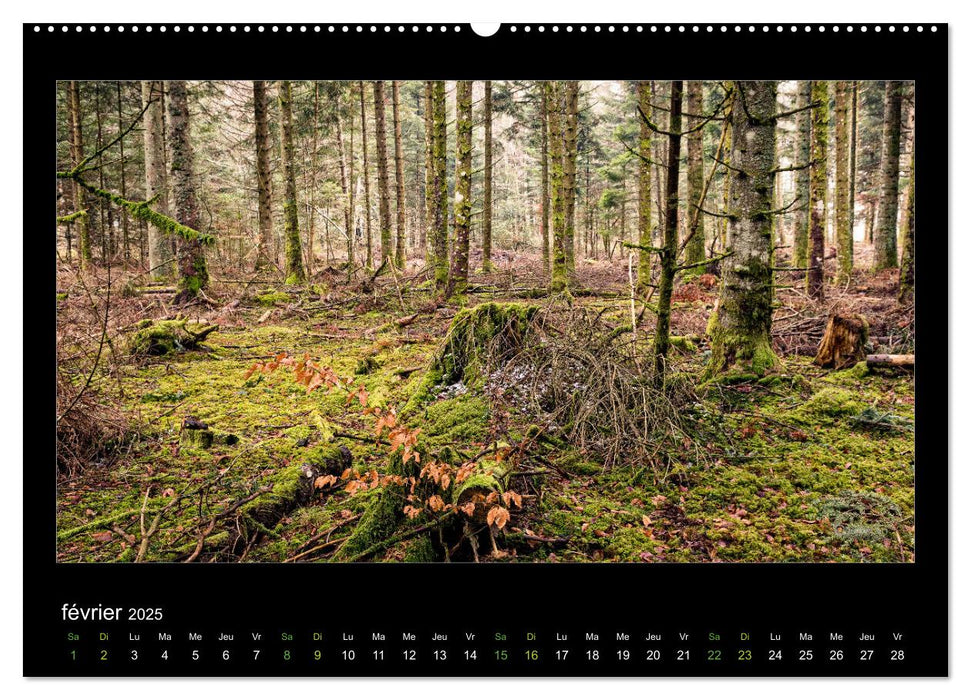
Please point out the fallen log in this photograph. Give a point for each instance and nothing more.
(893, 361)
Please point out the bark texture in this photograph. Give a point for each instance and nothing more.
(191, 259)
(291, 227)
(800, 245)
(459, 275)
(817, 189)
(644, 225)
(695, 249)
(384, 189)
(740, 327)
(885, 234)
(160, 259)
(263, 178)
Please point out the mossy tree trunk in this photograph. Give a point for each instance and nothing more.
(439, 212)
(559, 279)
(905, 292)
(384, 189)
(817, 189)
(544, 224)
(77, 154)
(644, 225)
(741, 325)
(844, 230)
(263, 178)
(885, 235)
(459, 275)
(291, 225)
(571, 92)
(159, 245)
(487, 180)
(803, 156)
(429, 204)
(695, 249)
(190, 257)
(399, 177)
(669, 246)
(368, 257)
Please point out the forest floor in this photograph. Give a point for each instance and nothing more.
(804, 465)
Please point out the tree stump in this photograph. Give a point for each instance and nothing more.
(844, 342)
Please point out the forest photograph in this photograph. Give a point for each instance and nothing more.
(485, 321)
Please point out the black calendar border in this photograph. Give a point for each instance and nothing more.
(604, 596)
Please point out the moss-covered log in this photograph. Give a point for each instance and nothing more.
(292, 488)
(383, 516)
(166, 337)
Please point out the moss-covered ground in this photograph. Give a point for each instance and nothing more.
(801, 465)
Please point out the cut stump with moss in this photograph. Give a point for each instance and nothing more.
(477, 336)
(844, 342)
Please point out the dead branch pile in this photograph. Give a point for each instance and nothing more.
(586, 382)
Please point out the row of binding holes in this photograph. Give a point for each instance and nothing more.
(359, 28)
(345, 28)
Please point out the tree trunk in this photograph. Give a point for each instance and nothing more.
(459, 276)
(291, 227)
(571, 90)
(905, 290)
(384, 189)
(124, 184)
(347, 195)
(741, 325)
(844, 342)
(369, 258)
(558, 275)
(817, 189)
(803, 156)
(263, 179)
(844, 230)
(695, 248)
(544, 224)
(885, 235)
(439, 213)
(159, 244)
(428, 233)
(487, 181)
(669, 246)
(854, 102)
(399, 177)
(105, 228)
(190, 257)
(644, 225)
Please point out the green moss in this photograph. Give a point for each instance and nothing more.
(628, 544)
(271, 297)
(199, 439)
(421, 550)
(831, 402)
(461, 420)
(683, 343)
